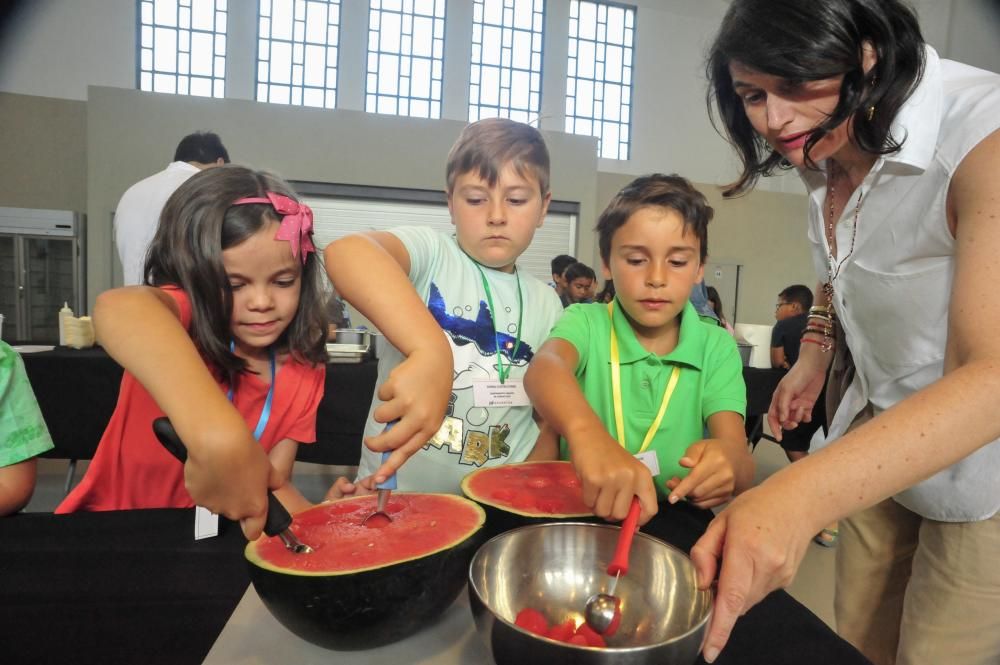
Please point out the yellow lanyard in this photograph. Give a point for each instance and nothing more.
(616, 390)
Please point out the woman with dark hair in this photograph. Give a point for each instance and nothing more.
(899, 150)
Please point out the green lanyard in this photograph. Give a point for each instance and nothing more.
(504, 372)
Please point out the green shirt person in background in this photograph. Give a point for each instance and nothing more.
(675, 374)
(23, 433)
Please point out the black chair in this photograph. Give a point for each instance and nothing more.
(77, 390)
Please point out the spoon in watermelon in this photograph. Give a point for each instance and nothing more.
(277, 523)
(380, 518)
(602, 612)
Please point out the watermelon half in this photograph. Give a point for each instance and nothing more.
(516, 495)
(363, 587)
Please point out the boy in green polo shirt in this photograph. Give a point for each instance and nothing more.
(632, 385)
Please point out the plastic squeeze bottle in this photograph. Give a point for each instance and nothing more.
(63, 313)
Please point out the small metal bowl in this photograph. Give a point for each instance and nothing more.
(554, 568)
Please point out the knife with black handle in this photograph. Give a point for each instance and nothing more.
(278, 520)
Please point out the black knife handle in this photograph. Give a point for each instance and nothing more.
(278, 518)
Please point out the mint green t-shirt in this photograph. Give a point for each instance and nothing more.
(710, 380)
(23, 433)
(473, 435)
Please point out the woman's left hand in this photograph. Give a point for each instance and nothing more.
(760, 538)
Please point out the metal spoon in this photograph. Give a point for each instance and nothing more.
(277, 522)
(602, 607)
(380, 518)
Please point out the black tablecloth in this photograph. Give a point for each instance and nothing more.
(777, 631)
(134, 587)
(115, 587)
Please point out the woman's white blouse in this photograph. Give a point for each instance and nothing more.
(892, 293)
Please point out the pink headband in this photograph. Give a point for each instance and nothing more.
(296, 223)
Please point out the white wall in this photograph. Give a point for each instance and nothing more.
(59, 47)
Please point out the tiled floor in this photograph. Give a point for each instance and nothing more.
(813, 586)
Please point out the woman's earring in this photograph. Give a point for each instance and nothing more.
(871, 109)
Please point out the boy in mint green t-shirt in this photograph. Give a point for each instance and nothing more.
(630, 386)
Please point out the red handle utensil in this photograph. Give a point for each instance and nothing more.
(619, 562)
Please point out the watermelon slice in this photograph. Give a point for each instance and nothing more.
(365, 587)
(515, 495)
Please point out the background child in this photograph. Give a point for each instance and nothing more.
(492, 316)
(579, 278)
(559, 265)
(715, 302)
(791, 315)
(677, 374)
(233, 305)
(23, 434)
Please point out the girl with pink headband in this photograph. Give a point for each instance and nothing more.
(226, 338)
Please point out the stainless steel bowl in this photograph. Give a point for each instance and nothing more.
(555, 567)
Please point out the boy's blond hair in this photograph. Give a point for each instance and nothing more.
(487, 146)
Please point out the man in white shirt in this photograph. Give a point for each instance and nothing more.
(138, 212)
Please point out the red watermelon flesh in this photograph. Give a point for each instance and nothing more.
(568, 631)
(562, 631)
(592, 637)
(530, 488)
(421, 524)
(532, 621)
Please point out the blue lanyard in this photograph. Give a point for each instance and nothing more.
(265, 413)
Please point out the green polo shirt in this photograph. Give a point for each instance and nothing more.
(711, 380)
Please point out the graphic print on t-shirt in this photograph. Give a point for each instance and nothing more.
(468, 430)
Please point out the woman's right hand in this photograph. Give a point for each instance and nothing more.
(793, 400)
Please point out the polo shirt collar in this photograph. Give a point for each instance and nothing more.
(691, 340)
(918, 121)
(917, 124)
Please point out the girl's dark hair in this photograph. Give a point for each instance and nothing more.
(199, 221)
(806, 40)
(712, 294)
(607, 294)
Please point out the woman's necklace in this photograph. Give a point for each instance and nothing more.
(833, 266)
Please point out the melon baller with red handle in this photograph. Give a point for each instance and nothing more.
(602, 607)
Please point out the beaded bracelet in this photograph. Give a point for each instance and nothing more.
(825, 345)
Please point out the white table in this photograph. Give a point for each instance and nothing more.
(254, 637)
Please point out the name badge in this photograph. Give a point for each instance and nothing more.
(494, 393)
(648, 458)
(206, 523)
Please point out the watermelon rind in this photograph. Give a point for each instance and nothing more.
(368, 607)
